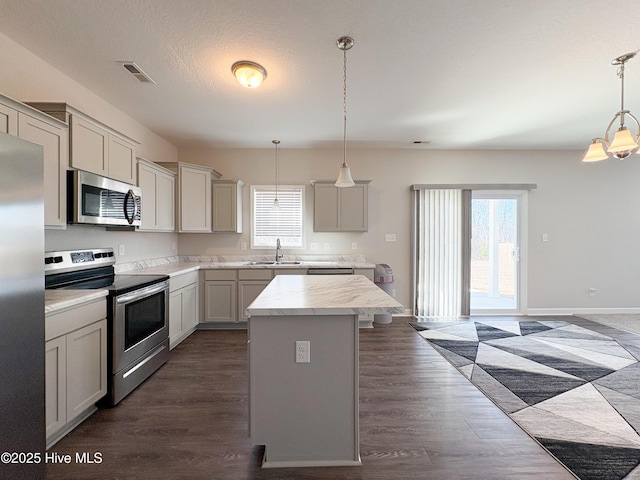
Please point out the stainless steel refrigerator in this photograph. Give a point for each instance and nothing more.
(22, 368)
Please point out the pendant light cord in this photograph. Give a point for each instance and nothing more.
(276, 202)
(344, 108)
(621, 75)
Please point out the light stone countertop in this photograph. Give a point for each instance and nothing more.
(173, 266)
(322, 295)
(55, 300)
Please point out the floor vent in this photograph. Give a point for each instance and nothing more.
(137, 72)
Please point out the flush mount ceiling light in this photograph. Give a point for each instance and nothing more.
(344, 177)
(624, 143)
(249, 74)
(276, 204)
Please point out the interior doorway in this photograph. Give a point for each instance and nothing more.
(496, 250)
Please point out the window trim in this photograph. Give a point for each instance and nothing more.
(281, 188)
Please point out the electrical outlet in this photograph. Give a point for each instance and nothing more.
(354, 245)
(313, 246)
(243, 245)
(592, 292)
(174, 247)
(545, 237)
(120, 249)
(326, 246)
(303, 351)
(389, 237)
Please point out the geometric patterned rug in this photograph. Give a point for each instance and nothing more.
(574, 390)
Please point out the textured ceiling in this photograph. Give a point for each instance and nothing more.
(458, 73)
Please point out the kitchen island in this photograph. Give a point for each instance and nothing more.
(303, 367)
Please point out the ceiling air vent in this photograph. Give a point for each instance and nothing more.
(137, 72)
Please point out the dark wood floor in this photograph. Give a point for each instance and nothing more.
(419, 419)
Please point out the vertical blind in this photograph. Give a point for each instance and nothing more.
(441, 237)
(285, 223)
(441, 247)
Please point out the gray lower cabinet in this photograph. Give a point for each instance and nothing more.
(220, 295)
(250, 284)
(183, 307)
(227, 293)
(75, 366)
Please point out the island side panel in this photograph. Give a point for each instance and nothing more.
(305, 413)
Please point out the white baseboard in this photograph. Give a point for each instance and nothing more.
(583, 311)
(406, 313)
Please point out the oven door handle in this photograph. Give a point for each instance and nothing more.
(143, 292)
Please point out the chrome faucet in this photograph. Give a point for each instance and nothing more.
(278, 247)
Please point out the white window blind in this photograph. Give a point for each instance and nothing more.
(441, 267)
(285, 223)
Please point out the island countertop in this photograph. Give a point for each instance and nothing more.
(322, 295)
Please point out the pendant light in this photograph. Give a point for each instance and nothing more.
(276, 203)
(344, 177)
(623, 143)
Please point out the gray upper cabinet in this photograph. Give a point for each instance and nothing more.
(8, 120)
(227, 206)
(25, 122)
(158, 197)
(95, 147)
(193, 196)
(340, 209)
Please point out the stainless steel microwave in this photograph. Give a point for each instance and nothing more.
(99, 200)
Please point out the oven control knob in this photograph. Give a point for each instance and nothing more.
(57, 259)
(48, 260)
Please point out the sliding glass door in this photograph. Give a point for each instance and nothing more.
(495, 253)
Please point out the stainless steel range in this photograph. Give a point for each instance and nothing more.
(137, 311)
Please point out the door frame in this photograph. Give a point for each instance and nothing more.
(521, 197)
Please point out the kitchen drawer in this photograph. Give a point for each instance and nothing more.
(181, 281)
(220, 274)
(255, 274)
(65, 321)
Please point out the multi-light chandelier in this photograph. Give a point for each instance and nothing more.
(624, 143)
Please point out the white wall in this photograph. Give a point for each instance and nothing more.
(591, 213)
(26, 77)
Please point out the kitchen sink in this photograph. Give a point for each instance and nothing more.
(284, 262)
